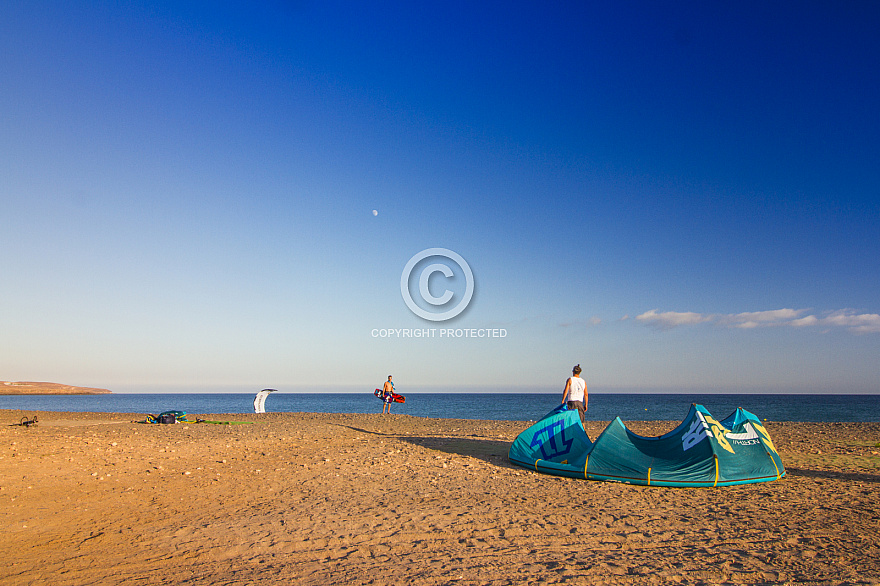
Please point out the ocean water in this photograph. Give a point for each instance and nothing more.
(497, 406)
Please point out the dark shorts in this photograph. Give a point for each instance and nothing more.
(388, 398)
(579, 405)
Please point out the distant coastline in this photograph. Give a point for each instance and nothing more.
(34, 388)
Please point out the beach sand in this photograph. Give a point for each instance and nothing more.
(92, 498)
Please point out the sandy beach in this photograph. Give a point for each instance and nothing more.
(93, 498)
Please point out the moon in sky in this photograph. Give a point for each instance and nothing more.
(375, 213)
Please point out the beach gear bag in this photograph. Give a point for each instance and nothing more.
(168, 417)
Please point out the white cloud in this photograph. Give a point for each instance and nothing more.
(864, 323)
(857, 323)
(671, 319)
(771, 316)
(754, 319)
(810, 320)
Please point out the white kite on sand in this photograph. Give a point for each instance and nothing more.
(260, 400)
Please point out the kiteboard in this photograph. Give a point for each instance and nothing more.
(394, 396)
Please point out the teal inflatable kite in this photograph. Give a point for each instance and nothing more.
(700, 452)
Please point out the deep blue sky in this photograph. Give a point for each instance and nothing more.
(676, 197)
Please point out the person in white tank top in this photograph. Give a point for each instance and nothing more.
(575, 393)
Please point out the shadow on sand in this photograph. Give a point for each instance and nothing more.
(491, 451)
(833, 475)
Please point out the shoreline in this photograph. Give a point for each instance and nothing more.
(513, 407)
(320, 498)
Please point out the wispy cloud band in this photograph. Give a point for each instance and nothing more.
(857, 323)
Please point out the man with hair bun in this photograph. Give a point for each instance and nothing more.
(575, 393)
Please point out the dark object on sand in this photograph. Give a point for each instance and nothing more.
(26, 422)
(167, 417)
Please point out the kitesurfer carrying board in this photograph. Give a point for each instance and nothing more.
(387, 395)
(575, 393)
